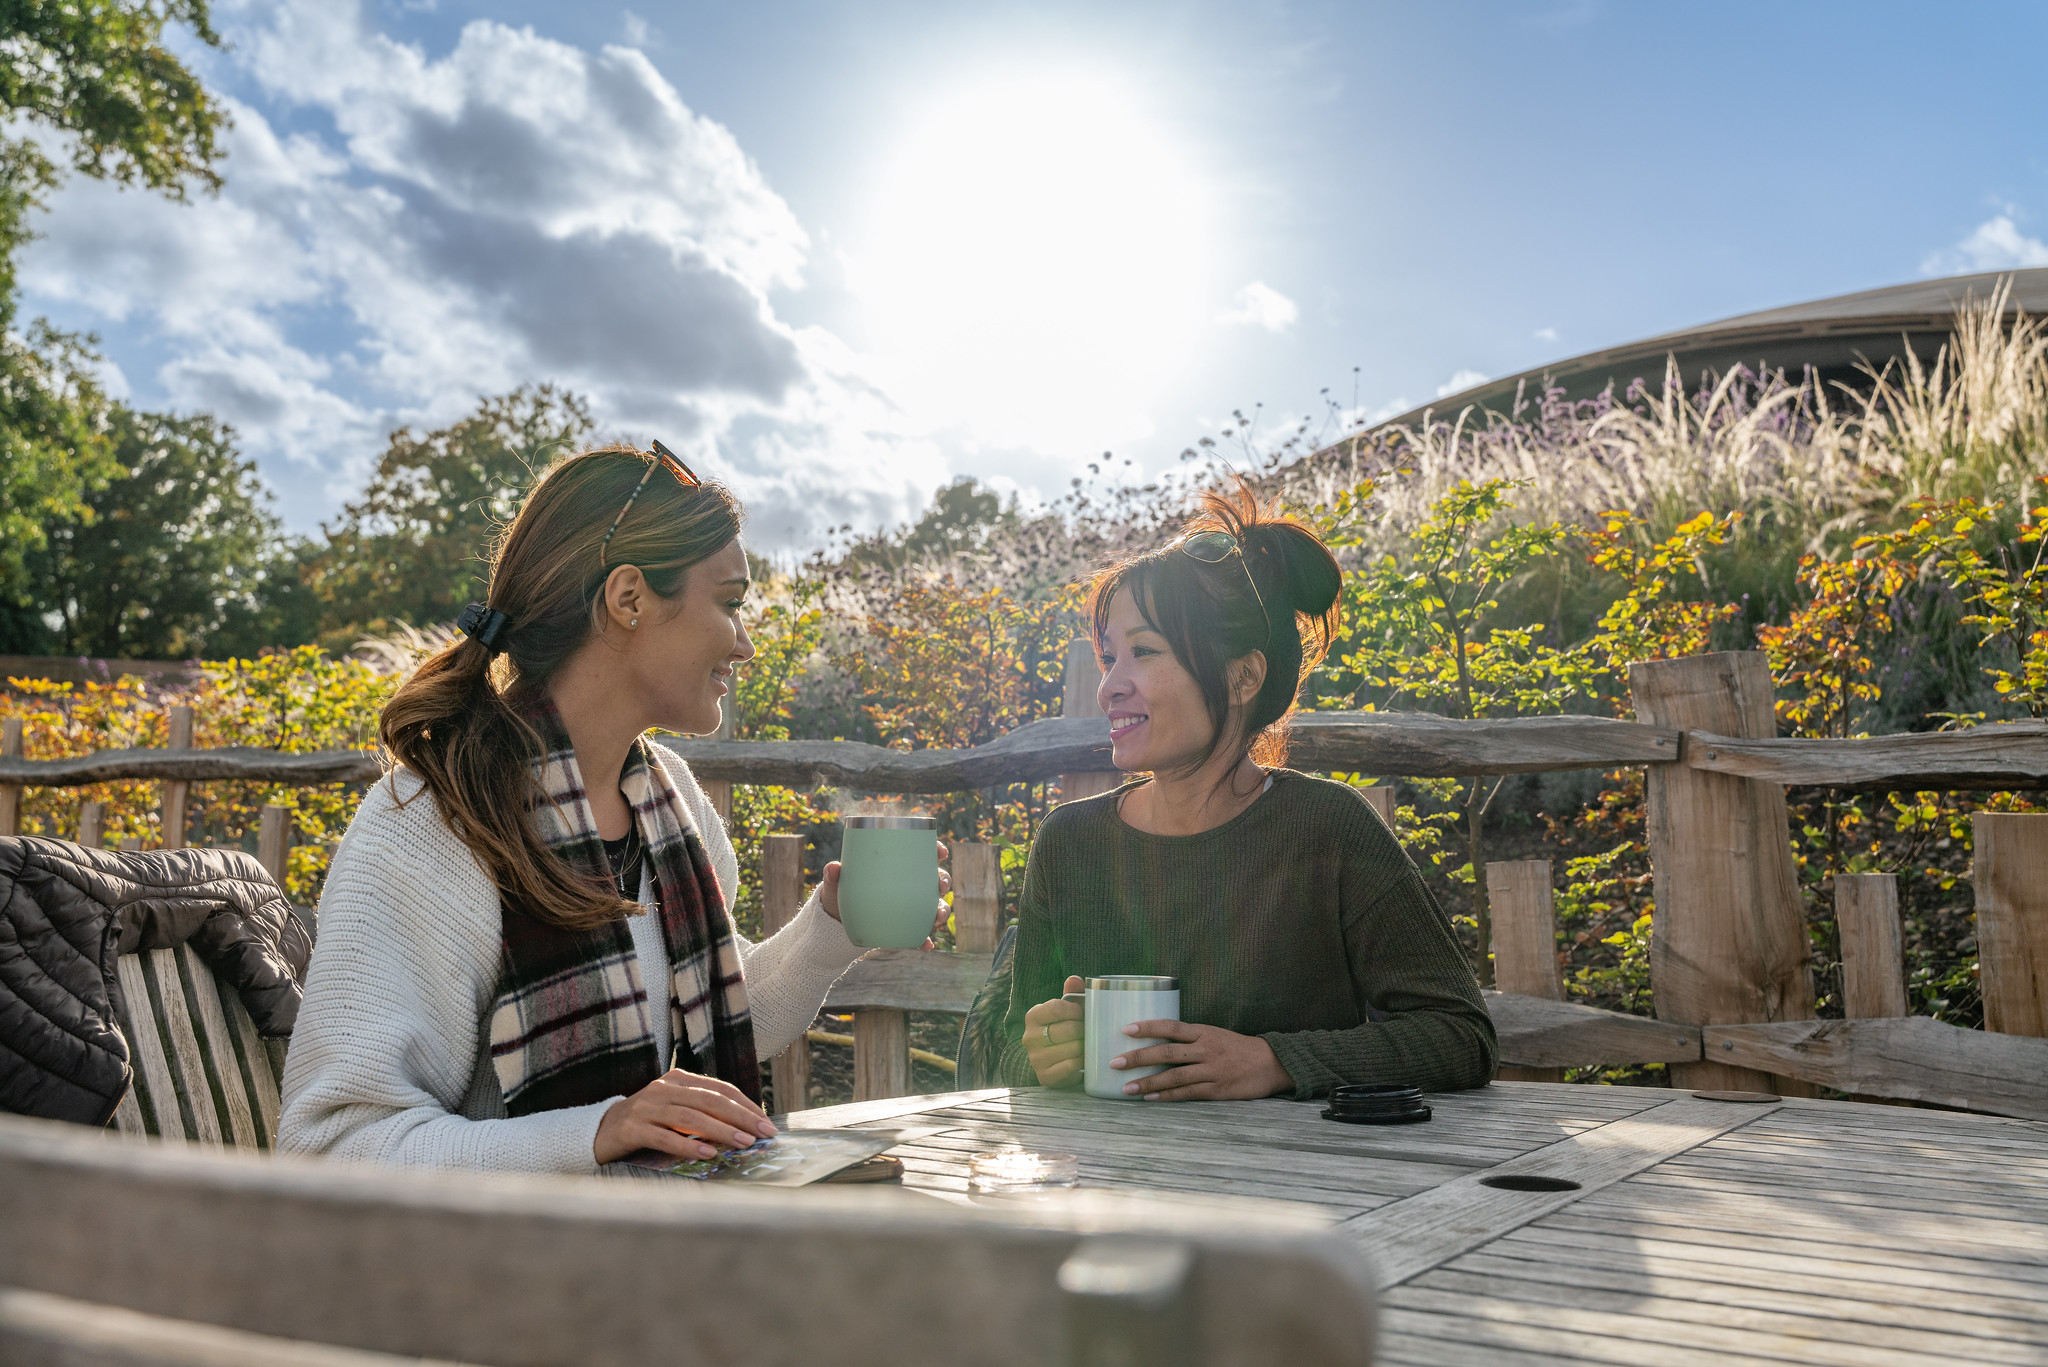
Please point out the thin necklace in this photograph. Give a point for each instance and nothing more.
(628, 861)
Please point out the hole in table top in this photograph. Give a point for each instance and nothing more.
(1521, 1182)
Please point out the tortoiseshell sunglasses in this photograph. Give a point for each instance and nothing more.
(663, 457)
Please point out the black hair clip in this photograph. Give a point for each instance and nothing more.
(483, 625)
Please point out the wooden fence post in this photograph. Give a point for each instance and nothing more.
(717, 789)
(177, 790)
(782, 897)
(274, 840)
(1525, 942)
(1077, 699)
(1381, 800)
(1728, 946)
(977, 898)
(10, 793)
(881, 1054)
(92, 824)
(2011, 878)
(1873, 953)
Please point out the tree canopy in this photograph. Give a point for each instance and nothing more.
(411, 549)
(94, 73)
(172, 556)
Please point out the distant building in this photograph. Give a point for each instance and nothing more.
(1828, 335)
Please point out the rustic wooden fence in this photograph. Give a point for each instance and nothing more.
(1731, 980)
(177, 768)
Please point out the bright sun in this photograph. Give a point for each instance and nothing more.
(1036, 261)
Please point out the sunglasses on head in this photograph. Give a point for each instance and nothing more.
(663, 459)
(1213, 548)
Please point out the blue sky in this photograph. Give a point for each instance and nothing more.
(842, 253)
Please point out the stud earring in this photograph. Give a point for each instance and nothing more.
(636, 621)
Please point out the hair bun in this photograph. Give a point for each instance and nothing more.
(1304, 568)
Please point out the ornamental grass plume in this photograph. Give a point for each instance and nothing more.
(1808, 468)
(404, 648)
(1759, 443)
(1972, 424)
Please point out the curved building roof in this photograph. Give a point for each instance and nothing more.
(1829, 335)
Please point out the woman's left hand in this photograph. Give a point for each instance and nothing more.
(1212, 1064)
(828, 892)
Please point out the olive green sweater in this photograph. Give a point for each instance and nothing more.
(1301, 920)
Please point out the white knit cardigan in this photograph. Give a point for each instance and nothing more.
(390, 1059)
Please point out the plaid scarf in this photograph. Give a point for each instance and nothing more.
(571, 1025)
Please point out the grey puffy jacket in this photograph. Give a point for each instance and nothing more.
(66, 912)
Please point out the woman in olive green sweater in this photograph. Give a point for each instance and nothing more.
(1308, 949)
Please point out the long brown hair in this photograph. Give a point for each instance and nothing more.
(1277, 595)
(458, 721)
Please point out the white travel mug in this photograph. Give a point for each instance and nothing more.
(1112, 1003)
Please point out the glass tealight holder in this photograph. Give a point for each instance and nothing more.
(1016, 1170)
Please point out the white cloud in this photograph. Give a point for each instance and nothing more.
(636, 29)
(1464, 379)
(1997, 244)
(1260, 305)
(516, 210)
(513, 125)
(1546, 334)
(114, 251)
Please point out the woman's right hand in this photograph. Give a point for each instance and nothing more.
(1052, 1038)
(683, 1114)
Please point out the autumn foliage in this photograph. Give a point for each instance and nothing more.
(1888, 559)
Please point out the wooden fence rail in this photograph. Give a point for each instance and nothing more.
(2008, 755)
(239, 762)
(1406, 744)
(1909, 1057)
(1893, 1056)
(1730, 971)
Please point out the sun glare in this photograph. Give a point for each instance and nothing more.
(1035, 261)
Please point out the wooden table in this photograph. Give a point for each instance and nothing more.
(1700, 1232)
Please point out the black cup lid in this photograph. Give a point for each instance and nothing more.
(1376, 1103)
(1368, 1091)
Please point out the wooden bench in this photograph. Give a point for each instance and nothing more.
(199, 1069)
(515, 1270)
(202, 1073)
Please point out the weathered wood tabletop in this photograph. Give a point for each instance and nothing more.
(1700, 1231)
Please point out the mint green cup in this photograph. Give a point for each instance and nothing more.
(889, 880)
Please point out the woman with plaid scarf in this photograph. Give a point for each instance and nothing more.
(526, 959)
